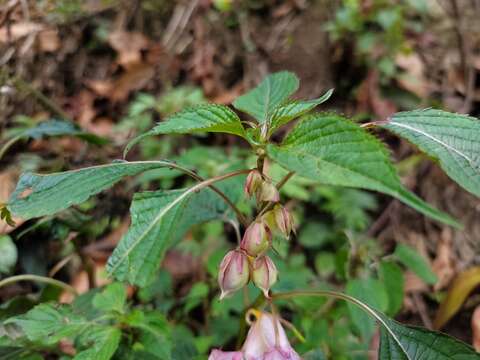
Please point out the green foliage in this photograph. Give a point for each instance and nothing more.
(38, 195)
(392, 278)
(8, 254)
(263, 100)
(415, 262)
(400, 342)
(332, 150)
(159, 219)
(450, 139)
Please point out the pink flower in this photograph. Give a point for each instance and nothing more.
(253, 182)
(225, 355)
(234, 272)
(256, 239)
(266, 340)
(264, 274)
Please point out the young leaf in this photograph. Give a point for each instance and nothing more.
(270, 93)
(112, 298)
(392, 277)
(38, 195)
(199, 119)
(332, 150)
(399, 342)
(48, 323)
(100, 342)
(461, 287)
(159, 219)
(283, 114)
(373, 293)
(415, 262)
(451, 139)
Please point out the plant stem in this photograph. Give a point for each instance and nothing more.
(192, 174)
(42, 279)
(8, 145)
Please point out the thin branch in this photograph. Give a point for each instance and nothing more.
(36, 278)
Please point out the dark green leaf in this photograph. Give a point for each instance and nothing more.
(38, 195)
(261, 101)
(100, 342)
(8, 254)
(415, 262)
(159, 219)
(199, 119)
(332, 150)
(451, 139)
(399, 342)
(283, 114)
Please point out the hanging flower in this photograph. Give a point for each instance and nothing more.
(256, 239)
(267, 192)
(234, 272)
(225, 355)
(253, 182)
(264, 274)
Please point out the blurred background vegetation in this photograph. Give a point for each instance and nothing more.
(78, 79)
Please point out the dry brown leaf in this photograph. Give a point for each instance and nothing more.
(476, 328)
(118, 90)
(443, 266)
(18, 30)
(414, 284)
(414, 79)
(81, 284)
(371, 100)
(129, 46)
(48, 40)
(461, 287)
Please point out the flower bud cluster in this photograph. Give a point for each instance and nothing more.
(249, 261)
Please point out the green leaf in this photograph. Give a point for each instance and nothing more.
(198, 119)
(399, 342)
(270, 93)
(415, 262)
(332, 150)
(48, 323)
(392, 277)
(38, 195)
(155, 335)
(60, 128)
(8, 254)
(159, 219)
(373, 293)
(283, 114)
(112, 298)
(101, 342)
(451, 139)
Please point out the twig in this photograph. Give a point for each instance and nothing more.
(43, 279)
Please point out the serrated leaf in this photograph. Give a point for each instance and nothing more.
(270, 93)
(399, 342)
(101, 343)
(415, 262)
(451, 139)
(371, 292)
(159, 219)
(112, 298)
(38, 195)
(199, 119)
(283, 114)
(332, 150)
(48, 323)
(458, 292)
(392, 277)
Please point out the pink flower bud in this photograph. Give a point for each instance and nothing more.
(256, 239)
(266, 339)
(234, 272)
(283, 220)
(225, 355)
(267, 192)
(253, 182)
(264, 274)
